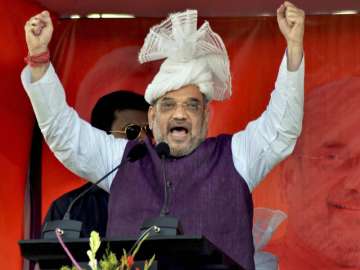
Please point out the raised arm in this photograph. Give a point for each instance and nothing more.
(38, 33)
(272, 137)
(85, 150)
(291, 23)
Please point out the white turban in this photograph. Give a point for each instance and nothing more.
(192, 56)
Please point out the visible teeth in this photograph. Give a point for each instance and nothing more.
(178, 129)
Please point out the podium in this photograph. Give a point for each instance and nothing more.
(171, 253)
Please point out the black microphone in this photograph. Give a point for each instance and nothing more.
(169, 226)
(71, 227)
(163, 150)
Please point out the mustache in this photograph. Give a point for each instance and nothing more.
(344, 197)
(179, 124)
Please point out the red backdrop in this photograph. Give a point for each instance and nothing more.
(17, 123)
(94, 57)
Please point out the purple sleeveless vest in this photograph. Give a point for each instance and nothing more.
(208, 196)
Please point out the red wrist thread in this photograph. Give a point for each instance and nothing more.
(38, 59)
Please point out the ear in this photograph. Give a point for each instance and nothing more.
(207, 113)
(205, 121)
(151, 116)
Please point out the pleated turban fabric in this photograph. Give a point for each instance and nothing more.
(192, 56)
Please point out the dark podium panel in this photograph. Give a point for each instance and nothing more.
(175, 252)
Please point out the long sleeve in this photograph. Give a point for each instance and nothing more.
(272, 137)
(83, 149)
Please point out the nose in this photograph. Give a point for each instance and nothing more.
(352, 182)
(351, 193)
(180, 112)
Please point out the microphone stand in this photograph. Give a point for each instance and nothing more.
(71, 228)
(169, 225)
(167, 184)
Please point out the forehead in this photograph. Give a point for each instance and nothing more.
(333, 130)
(184, 93)
(332, 116)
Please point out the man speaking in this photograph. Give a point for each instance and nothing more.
(210, 179)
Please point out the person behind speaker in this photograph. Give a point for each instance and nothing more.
(122, 114)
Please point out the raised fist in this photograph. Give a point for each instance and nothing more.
(38, 32)
(291, 23)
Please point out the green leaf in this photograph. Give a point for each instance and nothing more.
(94, 246)
(148, 264)
(123, 263)
(68, 268)
(109, 261)
(94, 241)
(139, 244)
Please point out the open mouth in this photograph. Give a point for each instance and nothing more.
(341, 198)
(348, 205)
(179, 132)
(179, 129)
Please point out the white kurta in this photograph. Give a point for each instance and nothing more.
(91, 153)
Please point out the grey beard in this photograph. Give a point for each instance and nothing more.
(194, 142)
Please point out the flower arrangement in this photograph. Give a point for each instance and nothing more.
(109, 260)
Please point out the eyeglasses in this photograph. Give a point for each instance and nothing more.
(192, 106)
(132, 131)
